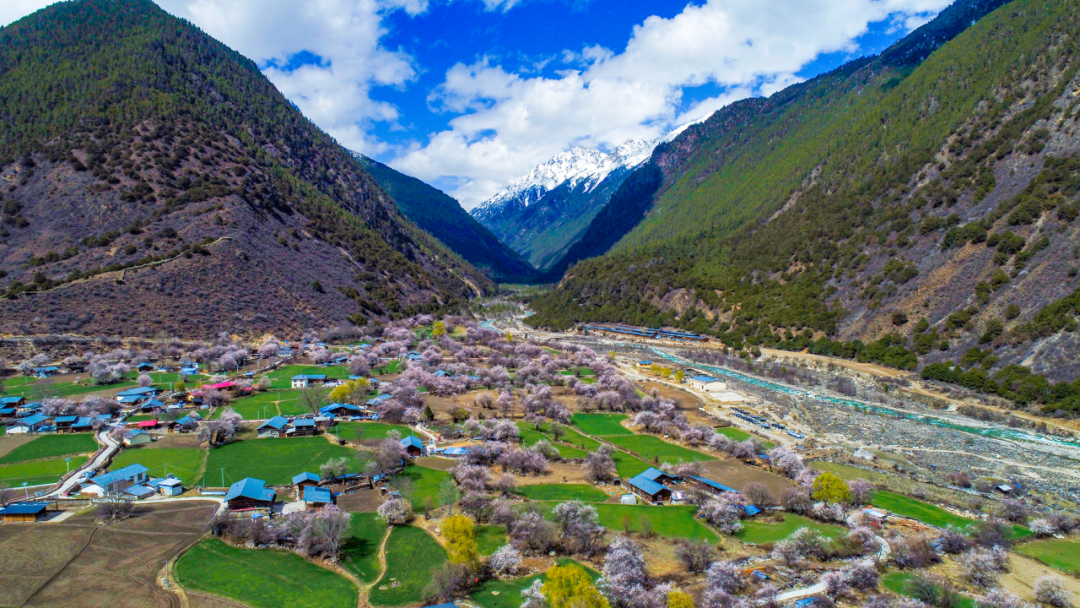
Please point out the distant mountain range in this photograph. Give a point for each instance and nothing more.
(156, 183)
(545, 213)
(919, 209)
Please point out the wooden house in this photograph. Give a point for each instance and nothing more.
(305, 480)
(413, 446)
(23, 512)
(649, 490)
(248, 494)
(273, 428)
(316, 498)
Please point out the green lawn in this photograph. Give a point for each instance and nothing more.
(579, 371)
(756, 531)
(740, 435)
(185, 463)
(922, 511)
(489, 539)
(507, 594)
(263, 406)
(656, 450)
(1059, 554)
(37, 472)
(282, 377)
(670, 521)
(274, 461)
(263, 578)
(393, 367)
(569, 435)
(51, 446)
(898, 583)
(561, 492)
(426, 484)
(369, 430)
(412, 557)
(628, 466)
(360, 552)
(600, 424)
(3, 431)
(529, 437)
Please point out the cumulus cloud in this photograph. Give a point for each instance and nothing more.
(13, 10)
(510, 123)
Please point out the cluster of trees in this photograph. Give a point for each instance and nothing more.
(312, 533)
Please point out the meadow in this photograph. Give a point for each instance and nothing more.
(922, 511)
(425, 487)
(760, 531)
(362, 431)
(282, 377)
(569, 435)
(740, 435)
(184, 463)
(38, 472)
(900, 583)
(263, 578)
(489, 539)
(360, 551)
(507, 594)
(529, 437)
(656, 450)
(600, 424)
(1059, 554)
(562, 492)
(412, 557)
(51, 446)
(274, 461)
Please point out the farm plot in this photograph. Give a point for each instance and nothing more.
(933, 514)
(275, 461)
(364, 431)
(670, 521)
(600, 424)
(656, 450)
(185, 463)
(79, 563)
(412, 557)
(757, 532)
(1059, 554)
(529, 438)
(563, 492)
(360, 551)
(490, 538)
(263, 578)
(51, 446)
(900, 583)
(628, 466)
(38, 472)
(569, 435)
(425, 487)
(507, 594)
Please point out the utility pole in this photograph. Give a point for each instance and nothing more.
(223, 477)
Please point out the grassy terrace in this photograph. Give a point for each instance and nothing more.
(900, 584)
(49, 387)
(600, 424)
(931, 514)
(263, 578)
(670, 521)
(52, 446)
(353, 431)
(656, 450)
(529, 438)
(412, 557)
(275, 461)
(569, 435)
(507, 594)
(563, 492)
(38, 472)
(740, 435)
(1059, 554)
(489, 539)
(757, 532)
(185, 463)
(425, 487)
(360, 551)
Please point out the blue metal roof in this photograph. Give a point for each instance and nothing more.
(83, 421)
(31, 420)
(380, 399)
(24, 508)
(456, 451)
(305, 476)
(303, 424)
(705, 379)
(277, 422)
(339, 406)
(138, 491)
(11, 400)
(314, 494)
(309, 377)
(646, 485)
(7, 410)
(142, 390)
(250, 488)
(652, 474)
(711, 483)
(60, 419)
(129, 472)
(413, 441)
(751, 510)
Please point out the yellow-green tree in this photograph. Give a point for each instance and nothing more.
(570, 586)
(680, 376)
(179, 386)
(509, 338)
(352, 391)
(830, 488)
(460, 534)
(679, 599)
(438, 330)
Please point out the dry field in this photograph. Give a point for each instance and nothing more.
(739, 475)
(684, 400)
(10, 442)
(81, 564)
(361, 501)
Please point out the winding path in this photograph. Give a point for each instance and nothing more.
(103, 456)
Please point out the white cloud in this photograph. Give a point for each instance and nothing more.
(13, 10)
(510, 123)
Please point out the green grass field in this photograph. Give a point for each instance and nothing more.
(507, 594)
(393, 367)
(368, 430)
(1059, 554)
(529, 437)
(740, 435)
(579, 371)
(600, 424)
(263, 578)
(412, 557)
(274, 461)
(656, 450)
(3, 431)
(899, 583)
(37, 472)
(263, 406)
(569, 435)
(185, 463)
(561, 492)
(670, 521)
(489, 539)
(360, 551)
(628, 466)
(282, 377)
(756, 532)
(40, 389)
(51, 446)
(922, 511)
(426, 485)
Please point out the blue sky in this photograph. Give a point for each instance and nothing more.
(471, 94)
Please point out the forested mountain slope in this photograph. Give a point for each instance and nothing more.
(155, 181)
(916, 208)
(443, 217)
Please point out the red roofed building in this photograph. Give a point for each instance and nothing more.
(148, 424)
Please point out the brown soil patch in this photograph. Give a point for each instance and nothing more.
(738, 476)
(434, 462)
(82, 564)
(200, 600)
(866, 368)
(9, 442)
(361, 501)
(559, 473)
(1025, 571)
(660, 560)
(173, 440)
(684, 400)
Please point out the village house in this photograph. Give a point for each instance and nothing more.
(248, 494)
(317, 498)
(305, 480)
(343, 410)
(83, 424)
(648, 489)
(708, 384)
(168, 486)
(305, 380)
(63, 423)
(377, 401)
(135, 438)
(45, 372)
(24, 512)
(116, 481)
(302, 428)
(413, 446)
(139, 491)
(29, 424)
(273, 428)
(708, 485)
(136, 395)
(144, 367)
(12, 402)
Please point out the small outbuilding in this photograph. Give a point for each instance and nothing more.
(136, 437)
(273, 428)
(305, 480)
(708, 384)
(23, 512)
(317, 498)
(413, 446)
